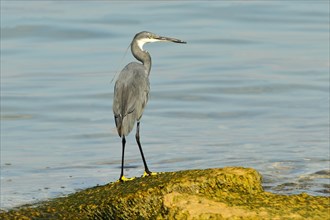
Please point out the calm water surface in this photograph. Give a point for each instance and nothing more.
(251, 88)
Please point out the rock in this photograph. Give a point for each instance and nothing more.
(228, 193)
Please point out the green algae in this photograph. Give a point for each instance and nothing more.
(227, 193)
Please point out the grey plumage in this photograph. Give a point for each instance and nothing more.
(131, 96)
(131, 91)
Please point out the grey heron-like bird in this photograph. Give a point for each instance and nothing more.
(132, 90)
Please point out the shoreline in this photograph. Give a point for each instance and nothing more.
(221, 193)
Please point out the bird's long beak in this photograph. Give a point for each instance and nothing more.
(170, 39)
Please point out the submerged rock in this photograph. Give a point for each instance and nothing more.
(227, 193)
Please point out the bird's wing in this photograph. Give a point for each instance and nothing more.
(130, 96)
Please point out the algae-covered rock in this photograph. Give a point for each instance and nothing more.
(228, 193)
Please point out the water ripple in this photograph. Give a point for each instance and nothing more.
(50, 33)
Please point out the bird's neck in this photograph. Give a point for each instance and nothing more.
(142, 56)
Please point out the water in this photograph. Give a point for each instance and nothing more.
(251, 88)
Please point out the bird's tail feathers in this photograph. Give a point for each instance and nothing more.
(119, 122)
(125, 123)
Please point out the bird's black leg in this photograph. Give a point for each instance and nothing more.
(122, 158)
(137, 136)
(122, 178)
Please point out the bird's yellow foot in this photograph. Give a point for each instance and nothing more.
(149, 174)
(124, 179)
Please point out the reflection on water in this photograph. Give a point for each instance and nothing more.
(251, 88)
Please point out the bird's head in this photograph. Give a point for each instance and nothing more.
(148, 37)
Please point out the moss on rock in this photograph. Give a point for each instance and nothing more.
(227, 193)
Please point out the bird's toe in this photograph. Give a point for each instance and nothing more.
(125, 179)
(149, 173)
